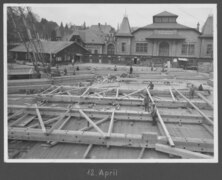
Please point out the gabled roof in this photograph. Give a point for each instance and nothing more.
(89, 36)
(100, 27)
(166, 26)
(49, 47)
(124, 29)
(207, 29)
(165, 13)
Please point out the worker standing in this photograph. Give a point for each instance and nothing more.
(192, 91)
(146, 103)
(154, 114)
(131, 69)
(65, 72)
(115, 68)
(200, 88)
(73, 62)
(151, 85)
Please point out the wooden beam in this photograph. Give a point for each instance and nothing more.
(111, 124)
(132, 93)
(40, 119)
(119, 115)
(141, 153)
(58, 123)
(209, 129)
(172, 94)
(208, 120)
(91, 122)
(18, 120)
(56, 89)
(87, 151)
(15, 114)
(46, 89)
(205, 99)
(116, 139)
(117, 92)
(181, 152)
(83, 94)
(97, 123)
(161, 122)
(165, 129)
(24, 123)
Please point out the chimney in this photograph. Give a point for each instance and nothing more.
(198, 26)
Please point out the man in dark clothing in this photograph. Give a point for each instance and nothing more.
(77, 68)
(192, 91)
(200, 87)
(154, 114)
(115, 68)
(131, 69)
(146, 103)
(65, 71)
(151, 85)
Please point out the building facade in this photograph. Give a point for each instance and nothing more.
(165, 38)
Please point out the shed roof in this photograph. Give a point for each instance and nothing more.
(165, 36)
(49, 47)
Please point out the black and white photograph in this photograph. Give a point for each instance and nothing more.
(110, 83)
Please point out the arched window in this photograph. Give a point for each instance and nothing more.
(110, 49)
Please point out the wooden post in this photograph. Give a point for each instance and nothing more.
(47, 90)
(111, 124)
(172, 94)
(40, 119)
(91, 122)
(18, 120)
(209, 121)
(87, 151)
(205, 99)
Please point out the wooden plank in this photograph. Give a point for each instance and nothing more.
(97, 123)
(208, 120)
(56, 89)
(87, 151)
(205, 99)
(181, 152)
(15, 114)
(172, 94)
(127, 95)
(45, 122)
(83, 94)
(117, 92)
(165, 129)
(24, 123)
(60, 127)
(208, 129)
(116, 139)
(47, 89)
(111, 124)
(40, 119)
(91, 122)
(58, 123)
(18, 120)
(141, 153)
(161, 122)
(119, 115)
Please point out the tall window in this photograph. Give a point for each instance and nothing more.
(95, 51)
(141, 47)
(188, 49)
(123, 47)
(209, 49)
(110, 49)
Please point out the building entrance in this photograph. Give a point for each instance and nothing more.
(164, 49)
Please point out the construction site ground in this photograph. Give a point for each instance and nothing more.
(99, 113)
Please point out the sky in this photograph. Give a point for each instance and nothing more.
(139, 15)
